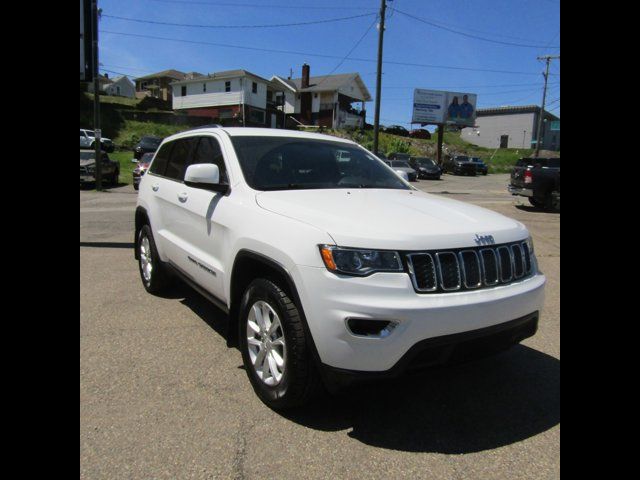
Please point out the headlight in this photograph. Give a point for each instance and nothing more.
(352, 261)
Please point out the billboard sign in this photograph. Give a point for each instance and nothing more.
(435, 106)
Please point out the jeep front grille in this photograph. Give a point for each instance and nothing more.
(468, 268)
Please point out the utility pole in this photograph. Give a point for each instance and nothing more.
(376, 119)
(548, 59)
(96, 95)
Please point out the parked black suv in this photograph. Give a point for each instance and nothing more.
(425, 167)
(481, 167)
(538, 179)
(146, 145)
(460, 165)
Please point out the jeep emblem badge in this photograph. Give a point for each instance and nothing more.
(484, 240)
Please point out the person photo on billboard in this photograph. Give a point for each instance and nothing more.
(454, 109)
(466, 109)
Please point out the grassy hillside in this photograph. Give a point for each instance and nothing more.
(499, 161)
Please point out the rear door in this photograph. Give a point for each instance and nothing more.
(168, 191)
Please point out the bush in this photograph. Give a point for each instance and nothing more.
(399, 146)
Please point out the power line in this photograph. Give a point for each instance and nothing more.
(480, 94)
(127, 68)
(477, 37)
(319, 55)
(350, 51)
(277, 25)
(263, 5)
(397, 87)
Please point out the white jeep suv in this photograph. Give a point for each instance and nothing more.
(330, 266)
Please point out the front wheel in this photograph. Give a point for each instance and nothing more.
(275, 349)
(153, 273)
(114, 178)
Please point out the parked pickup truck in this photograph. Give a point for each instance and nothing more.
(538, 179)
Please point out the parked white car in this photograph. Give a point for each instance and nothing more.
(88, 138)
(330, 267)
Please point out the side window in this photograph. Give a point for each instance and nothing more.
(254, 87)
(227, 86)
(159, 163)
(209, 151)
(180, 158)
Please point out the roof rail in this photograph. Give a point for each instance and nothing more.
(210, 125)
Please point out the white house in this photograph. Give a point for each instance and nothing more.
(121, 87)
(232, 97)
(325, 100)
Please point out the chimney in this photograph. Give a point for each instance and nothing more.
(106, 75)
(305, 76)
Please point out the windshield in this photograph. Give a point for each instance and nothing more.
(87, 155)
(400, 163)
(146, 158)
(426, 162)
(290, 163)
(462, 159)
(476, 160)
(89, 133)
(150, 141)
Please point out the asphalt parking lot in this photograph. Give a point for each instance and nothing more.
(161, 396)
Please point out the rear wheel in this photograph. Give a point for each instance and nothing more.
(114, 178)
(275, 348)
(536, 203)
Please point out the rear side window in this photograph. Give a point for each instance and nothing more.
(209, 151)
(160, 162)
(180, 157)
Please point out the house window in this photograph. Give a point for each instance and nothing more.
(225, 113)
(256, 116)
(204, 87)
(183, 90)
(227, 86)
(254, 87)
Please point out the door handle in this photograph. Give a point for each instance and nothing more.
(155, 187)
(182, 197)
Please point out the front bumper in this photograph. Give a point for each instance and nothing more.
(87, 178)
(523, 192)
(329, 300)
(447, 350)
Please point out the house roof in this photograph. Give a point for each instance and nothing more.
(176, 74)
(512, 110)
(220, 75)
(324, 83)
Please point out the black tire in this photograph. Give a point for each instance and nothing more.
(114, 178)
(136, 186)
(300, 381)
(536, 203)
(550, 202)
(159, 278)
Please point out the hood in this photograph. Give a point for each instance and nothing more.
(429, 168)
(392, 219)
(404, 169)
(88, 162)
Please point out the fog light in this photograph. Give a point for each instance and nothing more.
(370, 328)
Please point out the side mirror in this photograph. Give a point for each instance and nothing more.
(205, 176)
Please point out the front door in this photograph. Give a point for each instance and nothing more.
(504, 141)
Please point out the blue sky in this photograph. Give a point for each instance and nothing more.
(406, 40)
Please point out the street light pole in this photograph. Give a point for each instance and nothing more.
(376, 118)
(544, 97)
